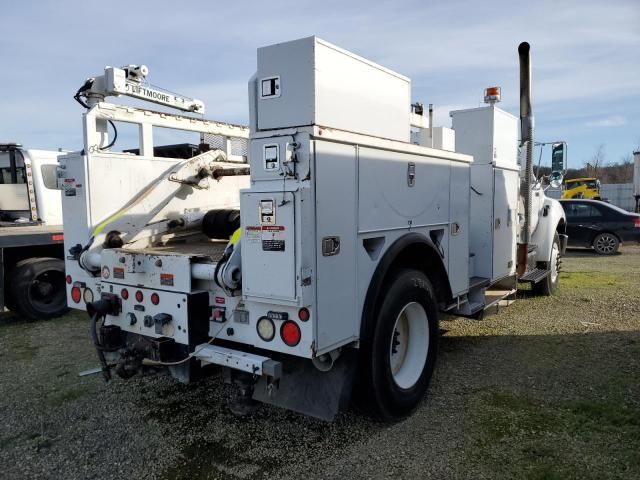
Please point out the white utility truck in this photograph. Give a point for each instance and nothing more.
(32, 280)
(317, 265)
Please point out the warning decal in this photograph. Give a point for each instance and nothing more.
(273, 238)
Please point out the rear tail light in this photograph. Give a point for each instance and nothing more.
(76, 294)
(303, 314)
(124, 293)
(266, 329)
(69, 280)
(139, 296)
(155, 298)
(87, 295)
(636, 223)
(290, 333)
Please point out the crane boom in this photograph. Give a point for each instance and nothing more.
(130, 80)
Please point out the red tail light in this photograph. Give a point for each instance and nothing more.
(303, 314)
(76, 294)
(124, 293)
(636, 223)
(290, 333)
(139, 296)
(155, 298)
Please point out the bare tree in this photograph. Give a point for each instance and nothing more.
(597, 160)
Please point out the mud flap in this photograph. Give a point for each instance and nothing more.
(305, 389)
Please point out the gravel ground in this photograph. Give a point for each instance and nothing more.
(546, 388)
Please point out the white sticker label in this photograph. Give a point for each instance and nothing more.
(253, 234)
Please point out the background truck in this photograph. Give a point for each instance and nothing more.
(318, 266)
(32, 279)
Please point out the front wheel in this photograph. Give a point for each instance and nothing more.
(606, 244)
(549, 284)
(400, 359)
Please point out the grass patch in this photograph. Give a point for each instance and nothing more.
(516, 436)
(589, 280)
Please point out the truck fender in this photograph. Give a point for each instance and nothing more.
(551, 220)
(410, 250)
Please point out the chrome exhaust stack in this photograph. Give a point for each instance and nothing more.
(526, 141)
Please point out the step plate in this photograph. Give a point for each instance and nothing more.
(534, 276)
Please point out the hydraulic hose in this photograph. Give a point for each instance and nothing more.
(98, 310)
(106, 372)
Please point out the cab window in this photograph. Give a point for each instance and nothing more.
(5, 175)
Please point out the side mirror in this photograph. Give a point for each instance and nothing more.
(558, 164)
(555, 179)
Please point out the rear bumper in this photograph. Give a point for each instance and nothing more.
(238, 360)
(630, 236)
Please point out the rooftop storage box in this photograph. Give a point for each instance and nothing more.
(311, 82)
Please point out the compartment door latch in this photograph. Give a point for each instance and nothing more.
(411, 174)
(330, 246)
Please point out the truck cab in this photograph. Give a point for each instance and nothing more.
(31, 253)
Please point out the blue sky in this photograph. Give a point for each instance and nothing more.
(586, 57)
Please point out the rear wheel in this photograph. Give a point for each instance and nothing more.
(399, 362)
(37, 287)
(606, 244)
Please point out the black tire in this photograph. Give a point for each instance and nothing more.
(38, 290)
(220, 224)
(549, 285)
(606, 243)
(382, 396)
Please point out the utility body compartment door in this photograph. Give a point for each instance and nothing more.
(268, 245)
(336, 235)
(505, 206)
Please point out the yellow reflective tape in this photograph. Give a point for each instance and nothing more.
(123, 210)
(235, 238)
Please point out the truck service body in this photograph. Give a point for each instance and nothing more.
(351, 238)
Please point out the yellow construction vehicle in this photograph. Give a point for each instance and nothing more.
(582, 188)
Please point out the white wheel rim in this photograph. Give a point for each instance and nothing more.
(606, 244)
(555, 252)
(409, 345)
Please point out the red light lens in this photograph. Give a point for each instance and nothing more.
(139, 296)
(636, 224)
(69, 279)
(124, 293)
(155, 298)
(290, 333)
(303, 314)
(76, 294)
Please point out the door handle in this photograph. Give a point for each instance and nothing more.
(330, 246)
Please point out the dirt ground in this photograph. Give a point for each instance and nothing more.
(547, 388)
